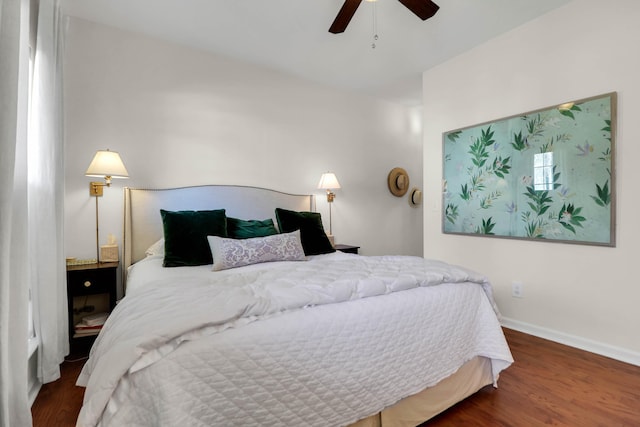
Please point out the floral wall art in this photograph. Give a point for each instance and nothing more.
(543, 175)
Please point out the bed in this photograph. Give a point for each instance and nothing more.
(319, 339)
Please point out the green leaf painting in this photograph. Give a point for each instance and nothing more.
(603, 197)
(544, 175)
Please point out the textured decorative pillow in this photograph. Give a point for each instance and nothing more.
(312, 234)
(230, 253)
(185, 236)
(246, 229)
(156, 249)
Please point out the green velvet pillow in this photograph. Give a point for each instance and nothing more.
(314, 239)
(247, 229)
(185, 236)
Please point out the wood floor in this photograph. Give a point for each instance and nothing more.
(549, 384)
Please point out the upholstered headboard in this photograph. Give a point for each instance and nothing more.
(143, 224)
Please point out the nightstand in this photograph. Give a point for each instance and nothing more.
(347, 249)
(91, 289)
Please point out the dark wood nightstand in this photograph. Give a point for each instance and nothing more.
(347, 249)
(91, 289)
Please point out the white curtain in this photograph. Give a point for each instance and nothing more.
(46, 195)
(14, 285)
(31, 204)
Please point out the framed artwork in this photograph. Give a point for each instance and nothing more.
(543, 175)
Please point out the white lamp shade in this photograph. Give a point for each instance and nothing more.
(107, 163)
(328, 181)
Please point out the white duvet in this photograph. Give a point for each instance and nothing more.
(323, 343)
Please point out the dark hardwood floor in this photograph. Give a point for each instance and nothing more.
(549, 384)
(59, 402)
(552, 384)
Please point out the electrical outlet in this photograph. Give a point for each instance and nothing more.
(517, 290)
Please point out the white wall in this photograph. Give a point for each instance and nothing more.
(585, 295)
(184, 117)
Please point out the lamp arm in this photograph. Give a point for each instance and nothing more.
(97, 233)
(330, 196)
(95, 187)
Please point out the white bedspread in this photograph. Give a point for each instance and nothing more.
(329, 349)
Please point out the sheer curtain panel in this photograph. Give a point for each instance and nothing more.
(46, 195)
(14, 286)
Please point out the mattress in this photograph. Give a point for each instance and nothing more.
(323, 342)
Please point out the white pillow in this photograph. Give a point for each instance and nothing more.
(230, 253)
(156, 249)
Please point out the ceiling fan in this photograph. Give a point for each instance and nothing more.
(424, 9)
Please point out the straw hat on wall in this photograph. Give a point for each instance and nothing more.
(398, 181)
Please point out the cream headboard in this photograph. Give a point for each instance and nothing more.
(143, 224)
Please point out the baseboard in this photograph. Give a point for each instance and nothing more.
(33, 382)
(618, 353)
(33, 392)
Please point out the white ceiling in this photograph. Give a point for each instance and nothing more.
(292, 35)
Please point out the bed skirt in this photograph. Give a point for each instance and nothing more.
(418, 408)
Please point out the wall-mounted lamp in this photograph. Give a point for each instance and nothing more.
(105, 164)
(329, 182)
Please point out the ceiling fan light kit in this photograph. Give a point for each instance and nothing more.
(423, 9)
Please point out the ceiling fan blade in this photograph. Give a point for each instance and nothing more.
(424, 9)
(344, 16)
